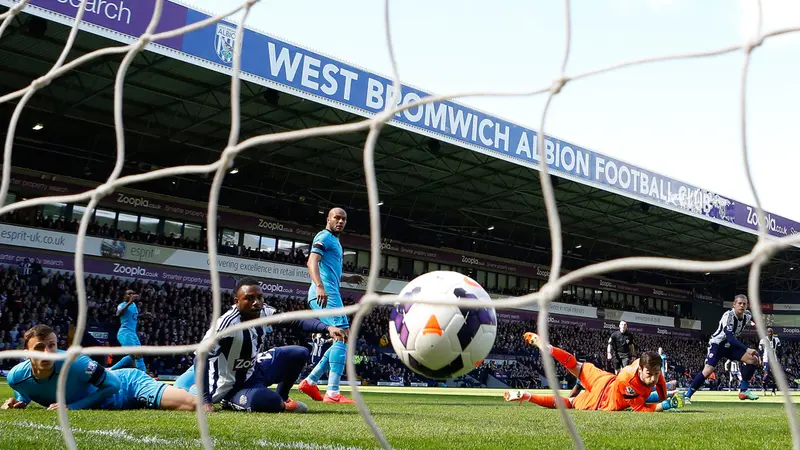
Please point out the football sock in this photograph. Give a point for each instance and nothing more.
(322, 366)
(747, 373)
(549, 401)
(697, 383)
(564, 357)
(337, 360)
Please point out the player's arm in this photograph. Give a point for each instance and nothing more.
(313, 326)
(105, 381)
(610, 346)
(317, 250)
(131, 298)
(18, 401)
(221, 353)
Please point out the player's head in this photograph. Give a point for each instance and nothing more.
(623, 326)
(131, 293)
(649, 368)
(337, 219)
(660, 350)
(740, 304)
(248, 298)
(41, 338)
(770, 332)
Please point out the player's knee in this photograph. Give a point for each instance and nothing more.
(265, 400)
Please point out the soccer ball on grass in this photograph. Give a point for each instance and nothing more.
(443, 341)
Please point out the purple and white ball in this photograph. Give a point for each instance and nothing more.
(443, 341)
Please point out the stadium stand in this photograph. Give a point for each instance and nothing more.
(173, 315)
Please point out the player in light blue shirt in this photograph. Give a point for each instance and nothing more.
(663, 360)
(128, 314)
(89, 385)
(325, 266)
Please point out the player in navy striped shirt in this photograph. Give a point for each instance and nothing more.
(240, 369)
(724, 343)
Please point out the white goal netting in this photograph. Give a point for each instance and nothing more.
(759, 255)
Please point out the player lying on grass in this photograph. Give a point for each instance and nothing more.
(604, 391)
(239, 371)
(89, 385)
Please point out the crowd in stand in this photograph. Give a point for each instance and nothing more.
(298, 257)
(175, 315)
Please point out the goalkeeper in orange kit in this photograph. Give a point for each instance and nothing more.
(632, 388)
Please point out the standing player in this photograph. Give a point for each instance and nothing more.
(239, 371)
(663, 361)
(325, 266)
(724, 343)
(631, 388)
(128, 314)
(734, 374)
(620, 347)
(89, 385)
(771, 340)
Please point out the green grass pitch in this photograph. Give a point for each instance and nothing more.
(423, 418)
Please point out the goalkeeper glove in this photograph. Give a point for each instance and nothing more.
(676, 402)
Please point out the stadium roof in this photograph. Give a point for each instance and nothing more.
(433, 192)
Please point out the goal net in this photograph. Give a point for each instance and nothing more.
(760, 254)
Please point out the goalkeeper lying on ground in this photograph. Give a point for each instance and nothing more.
(631, 388)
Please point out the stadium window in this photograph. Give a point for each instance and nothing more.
(636, 301)
(285, 247)
(192, 232)
(350, 257)
(433, 267)
(444, 267)
(305, 247)
(392, 263)
(230, 238)
(480, 277)
(127, 222)
(268, 244)
(502, 281)
(172, 228)
(405, 267)
(419, 268)
(78, 212)
(491, 281)
(105, 217)
(512, 281)
(148, 224)
(252, 241)
(53, 212)
(11, 198)
(363, 260)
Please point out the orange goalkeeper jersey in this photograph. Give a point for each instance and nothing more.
(628, 391)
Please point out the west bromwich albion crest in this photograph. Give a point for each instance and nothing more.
(224, 41)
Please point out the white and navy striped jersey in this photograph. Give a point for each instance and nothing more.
(233, 360)
(773, 342)
(732, 366)
(730, 323)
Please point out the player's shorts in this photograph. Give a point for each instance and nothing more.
(724, 350)
(595, 381)
(620, 363)
(137, 390)
(334, 301)
(128, 338)
(766, 367)
(186, 381)
(272, 367)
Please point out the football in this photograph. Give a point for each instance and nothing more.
(443, 341)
